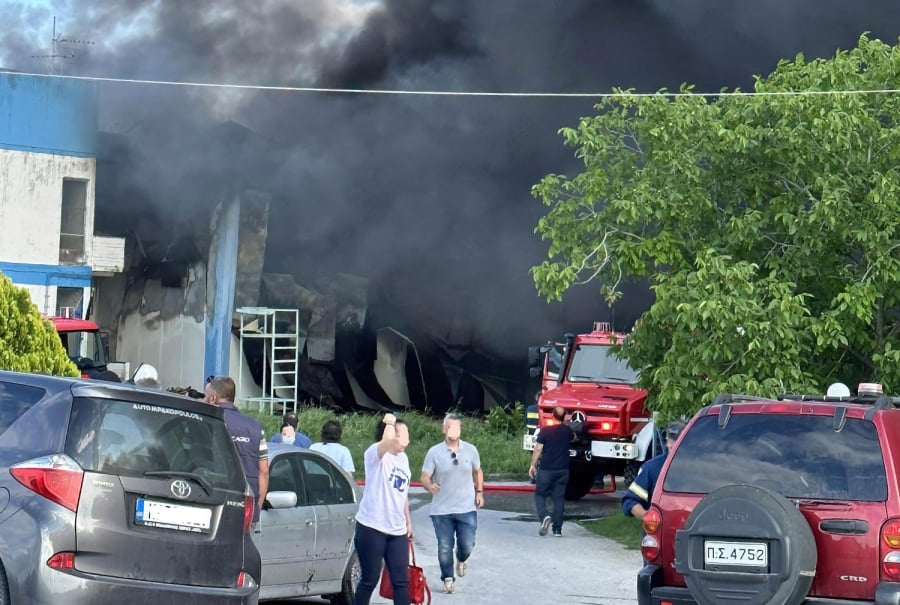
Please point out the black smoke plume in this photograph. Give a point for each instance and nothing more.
(426, 196)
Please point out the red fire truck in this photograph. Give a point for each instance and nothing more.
(84, 343)
(614, 431)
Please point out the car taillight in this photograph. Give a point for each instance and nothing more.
(249, 508)
(649, 547)
(652, 520)
(890, 549)
(62, 560)
(652, 525)
(57, 478)
(245, 580)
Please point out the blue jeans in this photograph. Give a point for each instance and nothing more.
(551, 484)
(459, 527)
(373, 547)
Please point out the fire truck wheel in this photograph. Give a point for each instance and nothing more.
(630, 473)
(581, 480)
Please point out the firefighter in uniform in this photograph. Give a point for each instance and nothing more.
(636, 500)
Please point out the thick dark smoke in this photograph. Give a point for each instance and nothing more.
(426, 196)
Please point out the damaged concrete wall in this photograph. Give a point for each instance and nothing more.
(165, 327)
(252, 235)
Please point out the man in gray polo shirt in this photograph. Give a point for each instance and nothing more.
(452, 473)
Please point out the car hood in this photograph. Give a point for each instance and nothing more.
(604, 396)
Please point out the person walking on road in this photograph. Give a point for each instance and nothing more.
(248, 436)
(452, 474)
(636, 501)
(383, 523)
(331, 446)
(552, 450)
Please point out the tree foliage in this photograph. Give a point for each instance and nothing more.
(767, 227)
(29, 343)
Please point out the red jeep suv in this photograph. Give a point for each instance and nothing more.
(779, 501)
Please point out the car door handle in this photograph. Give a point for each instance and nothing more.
(351, 519)
(844, 526)
(309, 522)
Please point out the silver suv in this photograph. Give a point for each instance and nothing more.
(116, 494)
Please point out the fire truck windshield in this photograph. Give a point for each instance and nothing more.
(597, 363)
(83, 346)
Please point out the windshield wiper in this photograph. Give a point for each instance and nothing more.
(614, 379)
(207, 487)
(578, 377)
(813, 502)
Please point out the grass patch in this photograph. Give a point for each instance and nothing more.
(498, 436)
(624, 530)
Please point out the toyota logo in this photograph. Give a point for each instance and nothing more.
(180, 488)
(577, 417)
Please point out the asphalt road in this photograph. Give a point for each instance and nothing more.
(512, 564)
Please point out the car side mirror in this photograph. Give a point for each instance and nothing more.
(281, 499)
(534, 359)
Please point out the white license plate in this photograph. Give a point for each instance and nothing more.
(751, 554)
(528, 442)
(172, 516)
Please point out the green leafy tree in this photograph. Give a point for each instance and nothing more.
(29, 343)
(766, 226)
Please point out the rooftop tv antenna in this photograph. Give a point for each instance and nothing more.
(61, 48)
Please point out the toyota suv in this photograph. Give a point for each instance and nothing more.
(787, 500)
(115, 494)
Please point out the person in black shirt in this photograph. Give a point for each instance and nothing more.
(552, 449)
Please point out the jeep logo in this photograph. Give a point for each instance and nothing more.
(726, 515)
(854, 579)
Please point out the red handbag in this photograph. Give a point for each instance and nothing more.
(419, 593)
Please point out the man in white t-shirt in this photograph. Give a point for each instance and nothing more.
(383, 524)
(331, 446)
(452, 474)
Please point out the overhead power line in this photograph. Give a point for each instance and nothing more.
(465, 93)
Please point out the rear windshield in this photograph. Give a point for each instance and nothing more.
(797, 456)
(132, 439)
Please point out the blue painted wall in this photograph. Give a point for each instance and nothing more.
(221, 282)
(68, 276)
(48, 115)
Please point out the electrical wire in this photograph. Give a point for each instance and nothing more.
(463, 93)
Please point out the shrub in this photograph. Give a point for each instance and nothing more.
(506, 422)
(29, 343)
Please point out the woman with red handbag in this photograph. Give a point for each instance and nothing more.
(383, 524)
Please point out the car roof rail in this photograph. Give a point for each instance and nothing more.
(737, 398)
(882, 402)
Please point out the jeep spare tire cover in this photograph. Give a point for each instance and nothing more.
(746, 544)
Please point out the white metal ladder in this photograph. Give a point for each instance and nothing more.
(280, 356)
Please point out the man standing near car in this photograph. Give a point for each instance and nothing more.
(247, 435)
(636, 501)
(452, 474)
(552, 450)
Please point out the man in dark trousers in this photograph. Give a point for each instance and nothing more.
(552, 449)
(247, 435)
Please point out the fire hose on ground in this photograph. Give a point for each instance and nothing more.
(522, 488)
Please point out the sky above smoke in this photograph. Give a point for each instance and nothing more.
(427, 196)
